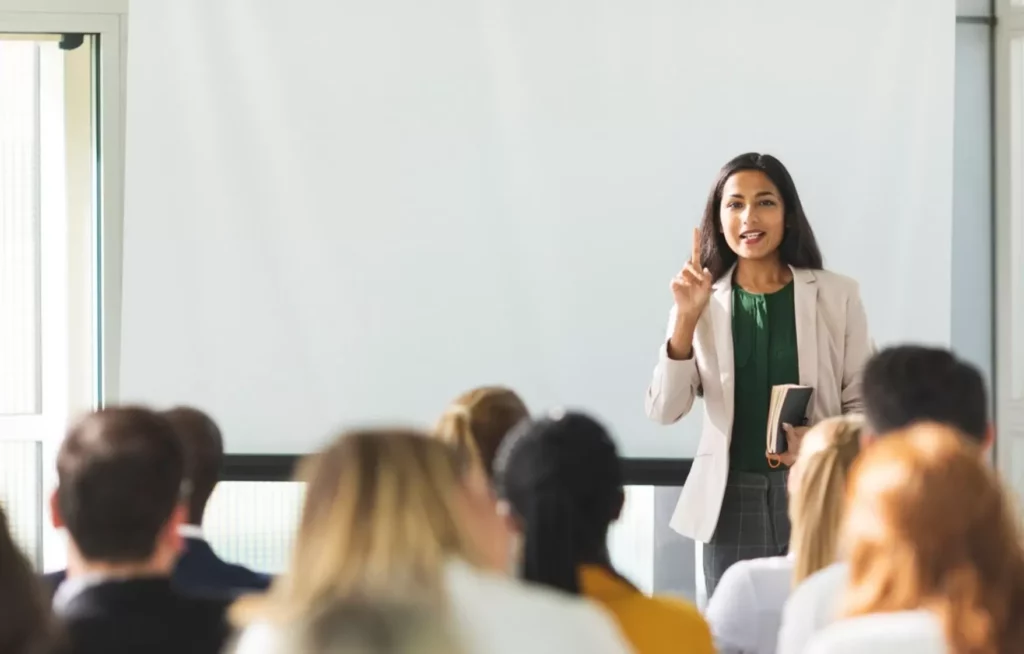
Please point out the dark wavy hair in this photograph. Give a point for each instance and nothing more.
(799, 248)
(27, 626)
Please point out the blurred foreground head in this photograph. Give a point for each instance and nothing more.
(929, 526)
(385, 512)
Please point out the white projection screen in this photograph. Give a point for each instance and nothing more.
(346, 213)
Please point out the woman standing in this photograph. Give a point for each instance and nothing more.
(753, 308)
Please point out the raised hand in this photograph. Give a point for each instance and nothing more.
(691, 288)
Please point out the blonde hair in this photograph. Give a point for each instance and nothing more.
(816, 506)
(476, 423)
(381, 518)
(930, 527)
(370, 627)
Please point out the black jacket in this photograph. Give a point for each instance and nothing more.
(142, 616)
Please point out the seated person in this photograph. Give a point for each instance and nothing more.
(477, 422)
(901, 386)
(199, 569)
(746, 608)
(935, 557)
(400, 515)
(562, 480)
(26, 621)
(120, 495)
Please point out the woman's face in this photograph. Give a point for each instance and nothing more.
(752, 215)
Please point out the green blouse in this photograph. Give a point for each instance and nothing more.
(764, 347)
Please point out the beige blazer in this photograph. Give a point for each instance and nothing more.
(832, 346)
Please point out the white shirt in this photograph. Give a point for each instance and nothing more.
(746, 607)
(497, 615)
(904, 632)
(811, 607)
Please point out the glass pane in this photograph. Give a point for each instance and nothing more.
(20, 493)
(1015, 301)
(19, 228)
(254, 523)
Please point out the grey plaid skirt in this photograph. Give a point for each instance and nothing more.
(754, 522)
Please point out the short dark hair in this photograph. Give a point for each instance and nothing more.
(908, 384)
(120, 473)
(799, 248)
(204, 454)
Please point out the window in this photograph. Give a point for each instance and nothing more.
(1009, 242)
(254, 524)
(47, 265)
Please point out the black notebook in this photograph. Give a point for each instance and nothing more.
(788, 406)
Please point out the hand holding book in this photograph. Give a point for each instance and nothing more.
(787, 408)
(794, 436)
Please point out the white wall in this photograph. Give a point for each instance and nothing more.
(501, 196)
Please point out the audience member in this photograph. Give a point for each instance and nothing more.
(26, 621)
(477, 422)
(901, 386)
(120, 483)
(368, 627)
(746, 608)
(199, 569)
(399, 515)
(934, 547)
(562, 478)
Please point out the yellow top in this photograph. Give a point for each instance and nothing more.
(653, 625)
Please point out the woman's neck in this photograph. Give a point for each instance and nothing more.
(599, 557)
(762, 275)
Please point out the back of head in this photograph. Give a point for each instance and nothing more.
(909, 384)
(477, 422)
(25, 625)
(563, 479)
(120, 473)
(929, 526)
(816, 504)
(371, 627)
(204, 454)
(381, 518)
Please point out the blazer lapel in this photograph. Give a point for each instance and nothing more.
(805, 299)
(721, 323)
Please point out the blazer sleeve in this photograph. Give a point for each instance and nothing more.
(673, 385)
(858, 349)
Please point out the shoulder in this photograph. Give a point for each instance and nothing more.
(881, 633)
(677, 616)
(833, 281)
(257, 638)
(819, 594)
(752, 572)
(749, 586)
(489, 606)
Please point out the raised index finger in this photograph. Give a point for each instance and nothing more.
(695, 257)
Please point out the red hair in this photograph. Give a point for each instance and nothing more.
(929, 526)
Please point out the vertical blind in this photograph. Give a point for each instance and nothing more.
(19, 228)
